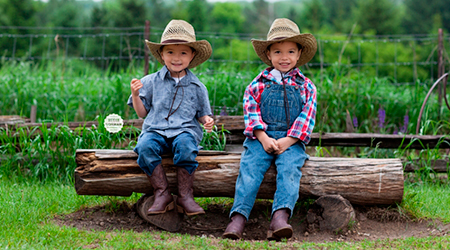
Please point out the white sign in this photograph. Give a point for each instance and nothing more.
(113, 123)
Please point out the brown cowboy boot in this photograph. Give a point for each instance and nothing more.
(235, 227)
(185, 199)
(163, 199)
(279, 228)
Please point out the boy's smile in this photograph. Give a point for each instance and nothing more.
(177, 58)
(284, 55)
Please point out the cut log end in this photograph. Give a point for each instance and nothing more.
(330, 213)
(169, 221)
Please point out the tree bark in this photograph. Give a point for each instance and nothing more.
(361, 181)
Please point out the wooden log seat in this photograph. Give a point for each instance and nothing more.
(361, 181)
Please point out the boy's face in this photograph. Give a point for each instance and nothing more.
(177, 58)
(284, 55)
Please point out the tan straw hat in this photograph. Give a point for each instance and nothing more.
(181, 32)
(283, 30)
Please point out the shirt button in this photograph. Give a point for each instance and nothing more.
(296, 87)
(268, 86)
(171, 121)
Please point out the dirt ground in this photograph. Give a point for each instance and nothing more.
(371, 223)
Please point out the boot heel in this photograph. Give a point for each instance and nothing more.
(180, 209)
(170, 206)
(271, 236)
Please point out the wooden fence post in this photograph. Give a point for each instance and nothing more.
(33, 113)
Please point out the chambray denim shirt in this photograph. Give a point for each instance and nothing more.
(191, 100)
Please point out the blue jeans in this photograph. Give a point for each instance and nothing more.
(152, 145)
(254, 164)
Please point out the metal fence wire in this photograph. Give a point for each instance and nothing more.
(404, 59)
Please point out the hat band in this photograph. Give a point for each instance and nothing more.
(174, 41)
(278, 38)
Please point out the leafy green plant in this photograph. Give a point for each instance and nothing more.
(214, 140)
(48, 153)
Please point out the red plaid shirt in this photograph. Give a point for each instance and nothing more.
(303, 124)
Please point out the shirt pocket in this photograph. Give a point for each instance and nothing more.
(188, 108)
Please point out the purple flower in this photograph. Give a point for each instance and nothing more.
(223, 112)
(405, 124)
(395, 131)
(355, 122)
(381, 117)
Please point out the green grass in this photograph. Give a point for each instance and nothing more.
(428, 201)
(27, 211)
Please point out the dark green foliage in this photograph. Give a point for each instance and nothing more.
(130, 13)
(12, 9)
(200, 20)
(257, 19)
(227, 18)
(20, 14)
(159, 13)
(425, 17)
(339, 14)
(379, 17)
(314, 16)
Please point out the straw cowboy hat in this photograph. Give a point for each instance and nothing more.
(283, 30)
(181, 32)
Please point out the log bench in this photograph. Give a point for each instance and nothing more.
(361, 181)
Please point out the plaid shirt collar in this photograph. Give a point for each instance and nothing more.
(295, 72)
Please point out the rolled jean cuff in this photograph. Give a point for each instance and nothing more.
(274, 209)
(246, 215)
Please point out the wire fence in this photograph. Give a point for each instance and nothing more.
(404, 59)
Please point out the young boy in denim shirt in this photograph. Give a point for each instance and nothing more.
(173, 102)
(279, 114)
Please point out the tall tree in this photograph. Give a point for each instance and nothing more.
(130, 13)
(99, 17)
(314, 16)
(17, 13)
(227, 18)
(58, 13)
(159, 14)
(198, 16)
(339, 14)
(378, 16)
(422, 15)
(257, 19)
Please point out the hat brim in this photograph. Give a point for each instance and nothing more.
(203, 51)
(307, 41)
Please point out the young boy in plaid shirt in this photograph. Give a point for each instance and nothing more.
(279, 114)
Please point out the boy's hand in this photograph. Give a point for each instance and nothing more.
(270, 145)
(135, 84)
(207, 122)
(284, 143)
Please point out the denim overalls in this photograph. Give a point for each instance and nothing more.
(255, 161)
